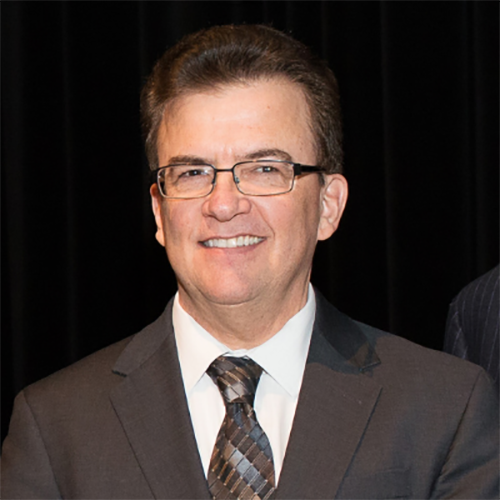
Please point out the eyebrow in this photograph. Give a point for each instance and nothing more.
(254, 155)
(186, 160)
(266, 153)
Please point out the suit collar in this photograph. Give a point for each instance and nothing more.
(335, 404)
(145, 344)
(158, 427)
(340, 331)
(344, 335)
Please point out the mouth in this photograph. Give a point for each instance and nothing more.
(237, 242)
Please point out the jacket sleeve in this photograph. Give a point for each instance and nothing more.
(25, 465)
(471, 469)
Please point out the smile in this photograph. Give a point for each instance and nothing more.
(239, 241)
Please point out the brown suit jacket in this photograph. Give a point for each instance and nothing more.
(377, 417)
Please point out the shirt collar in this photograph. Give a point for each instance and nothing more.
(283, 356)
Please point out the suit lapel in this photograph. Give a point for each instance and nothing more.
(152, 408)
(334, 407)
(335, 404)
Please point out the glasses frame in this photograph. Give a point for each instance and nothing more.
(298, 169)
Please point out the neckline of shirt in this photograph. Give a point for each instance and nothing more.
(282, 357)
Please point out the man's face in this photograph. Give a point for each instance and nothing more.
(260, 120)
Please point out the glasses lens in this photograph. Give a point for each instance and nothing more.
(186, 181)
(265, 177)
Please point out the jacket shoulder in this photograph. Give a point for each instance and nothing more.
(97, 373)
(402, 359)
(485, 285)
(93, 372)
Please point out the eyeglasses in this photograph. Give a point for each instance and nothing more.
(254, 178)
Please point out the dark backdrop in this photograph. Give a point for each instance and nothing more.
(80, 265)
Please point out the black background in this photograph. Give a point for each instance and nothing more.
(80, 265)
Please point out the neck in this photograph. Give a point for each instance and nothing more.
(248, 324)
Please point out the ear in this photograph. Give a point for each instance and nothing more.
(156, 202)
(333, 200)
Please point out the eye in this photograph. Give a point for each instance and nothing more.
(189, 173)
(267, 169)
(193, 173)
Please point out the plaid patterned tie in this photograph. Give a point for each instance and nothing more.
(241, 466)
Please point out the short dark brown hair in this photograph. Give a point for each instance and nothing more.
(222, 55)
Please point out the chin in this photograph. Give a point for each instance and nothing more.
(230, 293)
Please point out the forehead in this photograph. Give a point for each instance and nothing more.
(265, 114)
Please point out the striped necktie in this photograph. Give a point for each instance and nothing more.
(241, 466)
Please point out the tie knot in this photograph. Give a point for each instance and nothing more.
(236, 378)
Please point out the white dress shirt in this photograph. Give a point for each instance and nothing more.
(282, 358)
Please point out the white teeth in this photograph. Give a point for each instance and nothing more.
(240, 241)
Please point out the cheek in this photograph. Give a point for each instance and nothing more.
(178, 220)
(295, 226)
(306, 207)
(174, 231)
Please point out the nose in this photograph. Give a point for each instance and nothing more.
(225, 202)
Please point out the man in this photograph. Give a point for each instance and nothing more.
(251, 385)
(473, 324)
